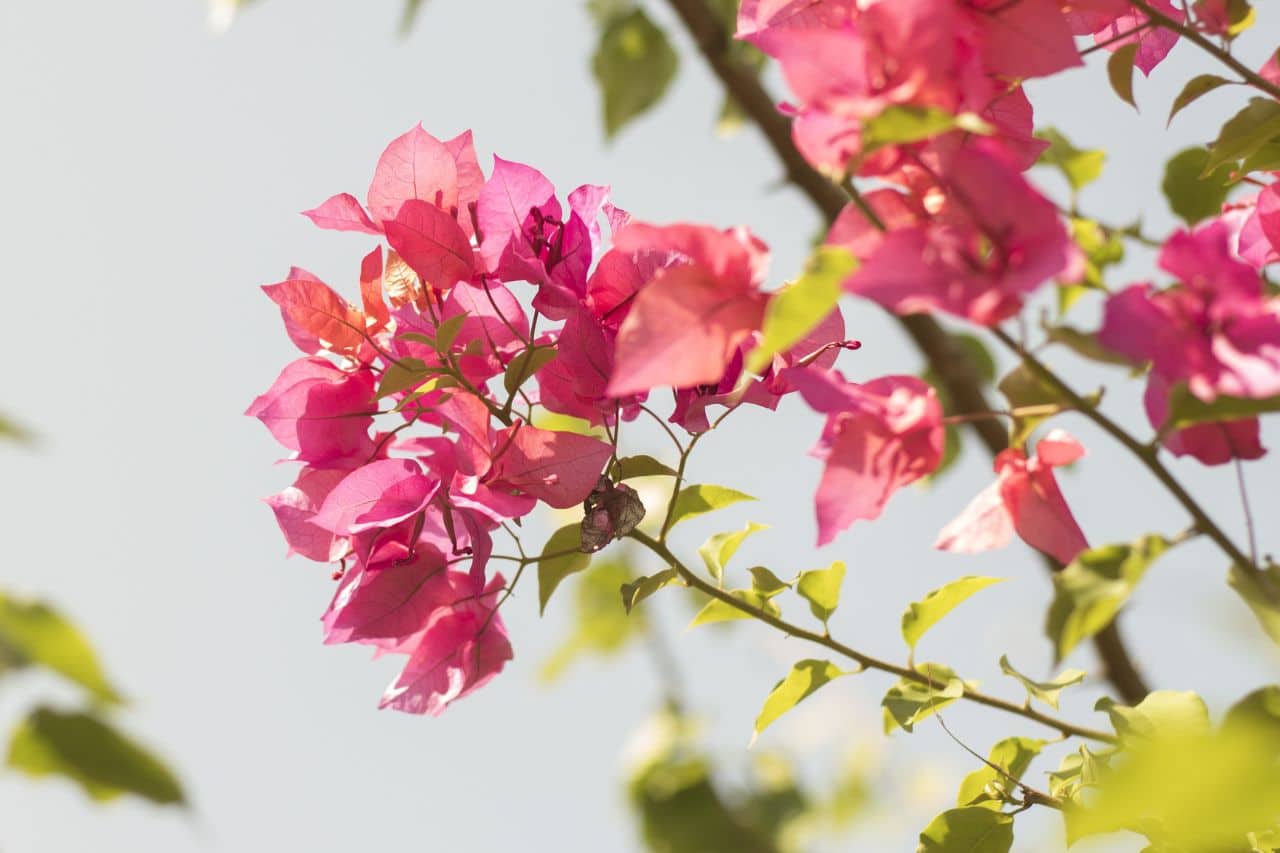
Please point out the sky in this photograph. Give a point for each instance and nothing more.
(153, 173)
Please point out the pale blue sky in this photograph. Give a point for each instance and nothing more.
(152, 174)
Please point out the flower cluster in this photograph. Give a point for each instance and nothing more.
(411, 415)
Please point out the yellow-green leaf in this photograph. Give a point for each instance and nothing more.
(797, 308)
(1079, 166)
(722, 611)
(804, 679)
(1046, 691)
(1196, 87)
(1245, 132)
(766, 582)
(718, 550)
(922, 615)
(1013, 755)
(1094, 586)
(629, 467)
(821, 588)
(1192, 192)
(901, 124)
(641, 588)
(968, 830)
(524, 365)
(1260, 591)
(32, 633)
(694, 501)
(909, 701)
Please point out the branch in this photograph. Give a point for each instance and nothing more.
(948, 359)
(864, 660)
(1251, 77)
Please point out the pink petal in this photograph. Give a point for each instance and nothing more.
(379, 494)
(316, 318)
(1029, 38)
(1040, 513)
(396, 602)
(983, 525)
(297, 505)
(503, 208)
(1058, 448)
(343, 212)
(682, 330)
(470, 178)
(558, 468)
(318, 410)
(431, 243)
(414, 166)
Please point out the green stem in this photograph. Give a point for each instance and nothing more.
(864, 660)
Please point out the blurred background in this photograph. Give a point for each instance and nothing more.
(153, 172)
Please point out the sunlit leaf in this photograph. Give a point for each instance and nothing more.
(821, 588)
(1245, 133)
(804, 679)
(1161, 713)
(641, 588)
(601, 626)
(716, 610)
(922, 615)
(718, 550)
(968, 830)
(1046, 691)
(1196, 88)
(1090, 591)
(527, 363)
(1080, 167)
(797, 308)
(901, 124)
(1013, 755)
(1024, 389)
(693, 501)
(1193, 192)
(766, 582)
(1261, 591)
(630, 467)
(910, 701)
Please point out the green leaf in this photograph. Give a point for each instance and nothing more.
(410, 14)
(13, 431)
(641, 588)
(89, 752)
(1046, 691)
(32, 633)
(1162, 713)
(766, 583)
(1184, 787)
(1120, 73)
(404, 375)
(910, 701)
(601, 627)
(1013, 755)
(1259, 712)
(1193, 192)
(1196, 87)
(1245, 133)
(968, 830)
(716, 610)
(1260, 591)
(1102, 248)
(694, 501)
(1086, 345)
(630, 467)
(447, 332)
(797, 308)
(1080, 167)
(553, 570)
(1186, 409)
(1023, 388)
(1090, 591)
(718, 550)
(524, 365)
(899, 125)
(634, 64)
(922, 615)
(821, 588)
(804, 679)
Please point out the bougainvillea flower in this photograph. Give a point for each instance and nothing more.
(460, 651)
(1132, 26)
(684, 325)
(296, 507)
(316, 318)
(380, 494)
(1209, 443)
(318, 410)
(445, 175)
(1255, 220)
(969, 249)
(1216, 332)
(558, 468)
(1028, 38)
(1024, 498)
(879, 436)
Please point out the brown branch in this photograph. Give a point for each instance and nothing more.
(948, 359)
